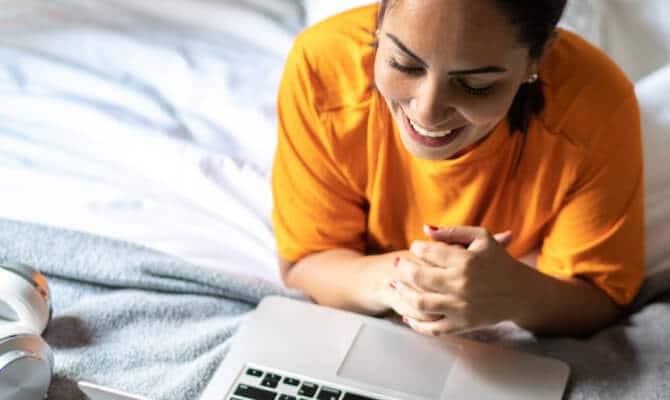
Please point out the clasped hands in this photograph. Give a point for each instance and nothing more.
(461, 280)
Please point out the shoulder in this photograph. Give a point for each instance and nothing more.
(584, 89)
(329, 73)
(339, 55)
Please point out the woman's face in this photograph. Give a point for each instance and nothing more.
(448, 70)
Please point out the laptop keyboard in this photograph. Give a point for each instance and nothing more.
(255, 384)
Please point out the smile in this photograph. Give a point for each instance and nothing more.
(430, 138)
(428, 133)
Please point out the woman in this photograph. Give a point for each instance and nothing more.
(426, 146)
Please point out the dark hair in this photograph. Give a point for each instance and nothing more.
(537, 20)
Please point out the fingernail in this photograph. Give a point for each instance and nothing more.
(405, 320)
(395, 263)
(433, 228)
(393, 285)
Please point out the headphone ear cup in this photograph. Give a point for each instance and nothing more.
(24, 297)
(26, 363)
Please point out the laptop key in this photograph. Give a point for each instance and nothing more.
(269, 383)
(254, 372)
(287, 397)
(273, 377)
(308, 389)
(351, 396)
(291, 381)
(254, 393)
(329, 394)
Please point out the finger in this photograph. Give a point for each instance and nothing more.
(411, 263)
(402, 307)
(530, 259)
(427, 303)
(504, 238)
(394, 317)
(438, 254)
(435, 328)
(446, 326)
(472, 237)
(424, 276)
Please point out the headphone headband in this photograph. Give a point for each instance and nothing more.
(26, 361)
(33, 277)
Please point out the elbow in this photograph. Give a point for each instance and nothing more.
(285, 268)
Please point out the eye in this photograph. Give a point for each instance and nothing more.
(474, 91)
(414, 71)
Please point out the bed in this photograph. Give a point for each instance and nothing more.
(136, 144)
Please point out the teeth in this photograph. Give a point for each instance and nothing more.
(424, 132)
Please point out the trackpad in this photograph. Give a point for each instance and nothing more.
(401, 361)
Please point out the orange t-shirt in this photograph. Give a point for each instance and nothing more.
(343, 179)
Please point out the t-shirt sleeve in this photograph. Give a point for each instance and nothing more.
(317, 205)
(598, 234)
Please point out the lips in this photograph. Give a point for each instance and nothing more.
(429, 133)
(430, 141)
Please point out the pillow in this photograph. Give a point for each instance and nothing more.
(633, 32)
(636, 34)
(655, 106)
(584, 17)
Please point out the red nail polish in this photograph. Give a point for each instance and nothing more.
(433, 228)
(392, 285)
(395, 263)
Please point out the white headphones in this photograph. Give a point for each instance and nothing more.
(26, 361)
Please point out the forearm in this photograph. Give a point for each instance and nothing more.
(339, 278)
(566, 307)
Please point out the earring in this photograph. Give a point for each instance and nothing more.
(533, 78)
(378, 33)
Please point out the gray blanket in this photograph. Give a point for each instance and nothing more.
(148, 323)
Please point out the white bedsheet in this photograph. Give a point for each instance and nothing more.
(155, 124)
(147, 122)
(153, 190)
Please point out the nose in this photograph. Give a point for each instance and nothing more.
(431, 106)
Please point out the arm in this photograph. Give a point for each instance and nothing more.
(569, 307)
(597, 237)
(346, 279)
(472, 280)
(587, 310)
(339, 278)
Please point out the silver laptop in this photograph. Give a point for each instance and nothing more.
(97, 392)
(294, 350)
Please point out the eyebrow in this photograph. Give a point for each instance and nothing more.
(404, 48)
(489, 69)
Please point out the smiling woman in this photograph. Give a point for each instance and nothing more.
(458, 59)
(411, 176)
